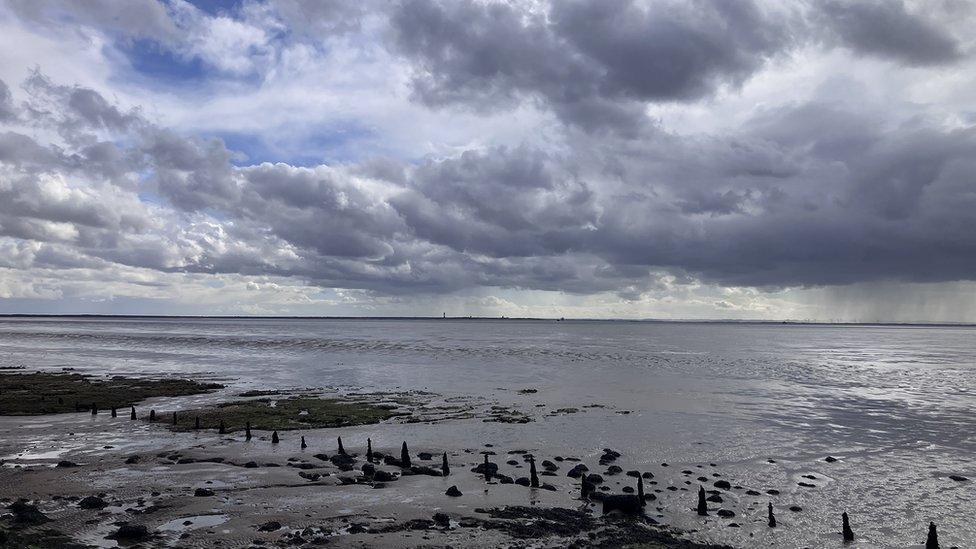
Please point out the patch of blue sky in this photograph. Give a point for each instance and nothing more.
(217, 7)
(332, 145)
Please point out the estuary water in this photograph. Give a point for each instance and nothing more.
(764, 403)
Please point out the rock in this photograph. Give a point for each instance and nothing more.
(425, 456)
(383, 476)
(92, 502)
(806, 485)
(130, 532)
(25, 513)
(424, 470)
(722, 485)
(549, 466)
(442, 519)
(830, 459)
(647, 475)
(203, 492)
(796, 508)
(523, 481)
(269, 526)
(594, 478)
(715, 498)
(635, 474)
(577, 471)
(622, 503)
(614, 470)
(752, 493)
(958, 478)
(453, 492)
(65, 463)
(251, 465)
(772, 492)
(132, 460)
(725, 513)
(628, 490)
(309, 476)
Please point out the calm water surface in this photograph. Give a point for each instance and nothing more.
(896, 404)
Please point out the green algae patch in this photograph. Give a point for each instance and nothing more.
(266, 414)
(37, 393)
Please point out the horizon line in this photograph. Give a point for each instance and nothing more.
(499, 318)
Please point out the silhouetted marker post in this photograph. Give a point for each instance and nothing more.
(640, 491)
(303, 443)
(585, 488)
(533, 475)
(132, 413)
(274, 438)
(848, 533)
(772, 518)
(247, 431)
(932, 542)
(94, 409)
(404, 455)
(222, 429)
(196, 423)
(369, 450)
(342, 451)
(702, 505)
(152, 415)
(174, 418)
(445, 468)
(115, 413)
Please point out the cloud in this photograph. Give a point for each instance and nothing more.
(489, 154)
(593, 63)
(887, 29)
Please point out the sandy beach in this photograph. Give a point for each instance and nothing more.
(118, 481)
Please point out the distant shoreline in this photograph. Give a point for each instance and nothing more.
(499, 319)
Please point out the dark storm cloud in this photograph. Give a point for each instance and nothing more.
(592, 62)
(886, 29)
(814, 193)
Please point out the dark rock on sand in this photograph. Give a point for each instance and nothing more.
(203, 492)
(830, 459)
(130, 533)
(65, 463)
(623, 503)
(453, 492)
(594, 478)
(714, 498)
(270, 526)
(725, 513)
(958, 478)
(25, 513)
(614, 470)
(383, 476)
(577, 471)
(723, 485)
(92, 502)
(425, 456)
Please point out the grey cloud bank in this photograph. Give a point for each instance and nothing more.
(662, 168)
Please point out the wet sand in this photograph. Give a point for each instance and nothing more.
(103, 481)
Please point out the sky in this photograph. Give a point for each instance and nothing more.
(670, 159)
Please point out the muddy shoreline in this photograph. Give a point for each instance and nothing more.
(203, 487)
